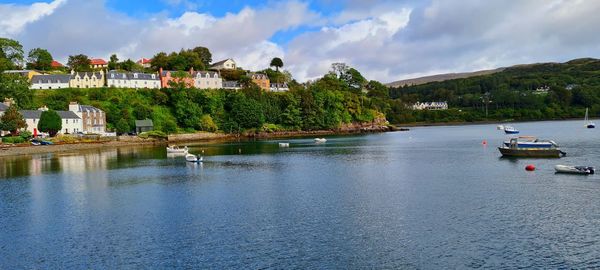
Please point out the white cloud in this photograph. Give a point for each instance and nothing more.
(14, 17)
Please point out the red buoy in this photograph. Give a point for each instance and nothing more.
(484, 142)
(530, 167)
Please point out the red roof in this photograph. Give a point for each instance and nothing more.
(98, 62)
(56, 64)
(144, 61)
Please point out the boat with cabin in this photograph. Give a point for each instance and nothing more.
(513, 150)
(177, 150)
(532, 142)
(510, 130)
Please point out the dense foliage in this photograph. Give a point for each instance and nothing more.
(12, 120)
(198, 58)
(50, 122)
(528, 92)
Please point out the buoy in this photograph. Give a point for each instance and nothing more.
(484, 142)
(530, 167)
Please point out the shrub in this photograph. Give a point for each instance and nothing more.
(10, 140)
(153, 134)
(207, 123)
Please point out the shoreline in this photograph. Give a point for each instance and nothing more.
(206, 137)
(499, 122)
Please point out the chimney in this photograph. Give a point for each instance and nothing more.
(74, 106)
(192, 71)
(160, 72)
(45, 108)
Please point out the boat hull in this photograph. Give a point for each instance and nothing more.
(591, 126)
(574, 169)
(531, 152)
(511, 131)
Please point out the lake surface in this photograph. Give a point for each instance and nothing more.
(433, 197)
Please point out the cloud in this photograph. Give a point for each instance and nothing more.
(15, 17)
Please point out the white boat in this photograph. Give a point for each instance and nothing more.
(588, 123)
(510, 130)
(284, 144)
(177, 150)
(574, 169)
(532, 142)
(193, 158)
(320, 140)
(500, 127)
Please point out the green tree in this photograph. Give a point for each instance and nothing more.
(39, 59)
(277, 63)
(17, 87)
(50, 122)
(113, 62)
(79, 62)
(160, 60)
(123, 126)
(12, 120)
(11, 54)
(204, 54)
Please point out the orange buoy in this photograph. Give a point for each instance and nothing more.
(530, 167)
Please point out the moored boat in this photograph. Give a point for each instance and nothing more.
(510, 130)
(532, 142)
(193, 158)
(512, 150)
(588, 123)
(574, 169)
(284, 145)
(177, 150)
(320, 140)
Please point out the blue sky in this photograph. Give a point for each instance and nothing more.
(386, 40)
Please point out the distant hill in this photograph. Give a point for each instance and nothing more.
(442, 77)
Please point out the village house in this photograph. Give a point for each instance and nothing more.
(143, 126)
(261, 80)
(71, 123)
(132, 80)
(98, 63)
(207, 80)
(430, 106)
(279, 87)
(166, 76)
(144, 62)
(50, 81)
(225, 64)
(93, 119)
(25, 73)
(87, 79)
(231, 85)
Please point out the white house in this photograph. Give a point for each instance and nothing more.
(71, 123)
(225, 64)
(132, 80)
(52, 81)
(207, 80)
(279, 87)
(430, 106)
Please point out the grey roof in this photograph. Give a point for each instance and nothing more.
(221, 62)
(36, 114)
(88, 108)
(54, 78)
(131, 76)
(231, 84)
(203, 74)
(144, 123)
(89, 74)
(3, 107)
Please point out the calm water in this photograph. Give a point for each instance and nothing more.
(429, 198)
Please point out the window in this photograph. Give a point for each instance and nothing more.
(66, 121)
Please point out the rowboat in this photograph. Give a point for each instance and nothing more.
(574, 169)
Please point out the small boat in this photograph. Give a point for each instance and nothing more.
(320, 140)
(588, 123)
(284, 144)
(193, 158)
(532, 142)
(37, 142)
(512, 150)
(574, 169)
(500, 127)
(177, 150)
(510, 130)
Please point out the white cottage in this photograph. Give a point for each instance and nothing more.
(225, 64)
(132, 80)
(207, 80)
(71, 123)
(50, 81)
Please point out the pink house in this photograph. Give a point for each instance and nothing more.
(166, 77)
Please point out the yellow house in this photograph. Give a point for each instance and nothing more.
(261, 80)
(87, 80)
(27, 73)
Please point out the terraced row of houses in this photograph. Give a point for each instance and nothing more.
(139, 80)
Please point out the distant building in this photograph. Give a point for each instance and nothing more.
(261, 80)
(279, 87)
(542, 90)
(55, 65)
(225, 64)
(71, 123)
(98, 63)
(145, 62)
(132, 80)
(231, 85)
(430, 106)
(51, 81)
(166, 76)
(207, 80)
(143, 126)
(25, 73)
(571, 86)
(87, 80)
(93, 119)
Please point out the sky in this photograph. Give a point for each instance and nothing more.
(386, 40)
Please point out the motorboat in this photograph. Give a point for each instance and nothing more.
(177, 150)
(510, 130)
(320, 140)
(512, 150)
(193, 158)
(574, 169)
(284, 144)
(588, 123)
(500, 127)
(532, 142)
